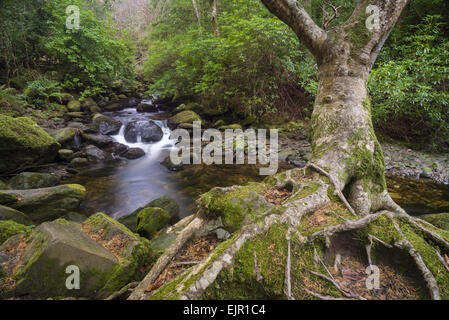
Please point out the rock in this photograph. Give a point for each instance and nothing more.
(146, 107)
(128, 103)
(33, 180)
(219, 123)
(184, 117)
(66, 98)
(426, 173)
(94, 154)
(48, 203)
(66, 137)
(65, 155)
(77, 115)
(168, 235)
(171, 166)
(7, 213)
(75, 217)
(133, 153)
(122, 96)
(79, 162)
(147, 130)
(118, 149)
(167, 203)
(10, 228)
(235, 126)
(187, 126)
(113, 107)
(89, 104)
(74, 106)
(23, 142)
(106, 125)
(151, 220)
(439, 220)
(100, 140)
(6, 199)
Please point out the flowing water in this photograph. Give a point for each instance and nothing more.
(120, 188)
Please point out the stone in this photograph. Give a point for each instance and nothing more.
(151, 220)
(66, 97)
(235, 126)
(133, 153)
(95, 154)
(113, 107)
(7, 213)
(106, 125)
(65, 155)
(48, 203)
(100, 140)
(33, 180)
(3, 185)
(148, 131)
(79, 162)
(172, 166)
(147, 107)
(167, 203)
(74, 106)
(188, 116)
(23, 143)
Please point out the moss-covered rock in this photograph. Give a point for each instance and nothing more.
(6, 198)
(23, 142)
(440, 220)
(74, 106)
(3, 185)
(33, 180)
(65, 155)
(167, 203)
(184, 117)
(9, 228)
(134, 252)
(65, 136)
(235, 126)
(48, 203)
(79, 162)
(151, 220)
(66, 97)
(7, 213)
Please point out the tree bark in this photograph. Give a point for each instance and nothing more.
(342, 135)
(197, 14)
(213, 5)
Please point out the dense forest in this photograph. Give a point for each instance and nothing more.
(91, 91)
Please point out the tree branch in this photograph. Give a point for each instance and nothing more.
(296, 17)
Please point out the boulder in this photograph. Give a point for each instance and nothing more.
(100, 140)
(151, 220)
(106, 125)
(7, 213)
(95, 154)
(66, 98)
(147, 107)
(188, 116)
(66, 137)
(167, 203)
(74, 106)
(23, 142)
(6, 199)
(113, 107)
(171, 166)
(235, 126)
(148, 131)
(3, 185)
(79, 162)
(10, 228)
(33, 180)
(65, 155)
(48, 203)
(133, 153)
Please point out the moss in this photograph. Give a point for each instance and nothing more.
(10, 228)
(185, 117)
(151, 220)
(236, 205)
(358, 34)
(440, 220)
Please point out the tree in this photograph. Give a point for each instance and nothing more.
(336, 206)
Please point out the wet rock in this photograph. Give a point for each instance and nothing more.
(129, 103)
(231, 127)
(133, 153)
(118, 149)
(106, 125)
(167, 203)
(147, 130)
(79, 162)
(48, 203)
(32, 180)
(95, 154)
(7, 213)
(151, 220)
(23, 142)
(66, 98)
(172, 166)
(100, 140)
(65, 155)
(113, 107)
(426, 173)
(66, 137)
(147, 107)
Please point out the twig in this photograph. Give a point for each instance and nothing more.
(442, 260)
(319, 296)
(335, 15)
(287, 270)
(183, 263)
(337, 191)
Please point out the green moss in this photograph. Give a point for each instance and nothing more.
(151, 220)
(440, 220)
(236, 205)
(10, 228)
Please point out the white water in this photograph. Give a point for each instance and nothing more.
(152, 150)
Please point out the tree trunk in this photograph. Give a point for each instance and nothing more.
(197, 14)
(213, 5)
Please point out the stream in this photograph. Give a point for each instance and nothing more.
(119, 189)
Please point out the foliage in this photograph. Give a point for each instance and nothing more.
(413, 89)
(39, 92)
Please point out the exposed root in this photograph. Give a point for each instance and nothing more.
(370, 245)
(428, 276)
(321, 297)
(337, 190)
(288, 283)
(440, 257)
